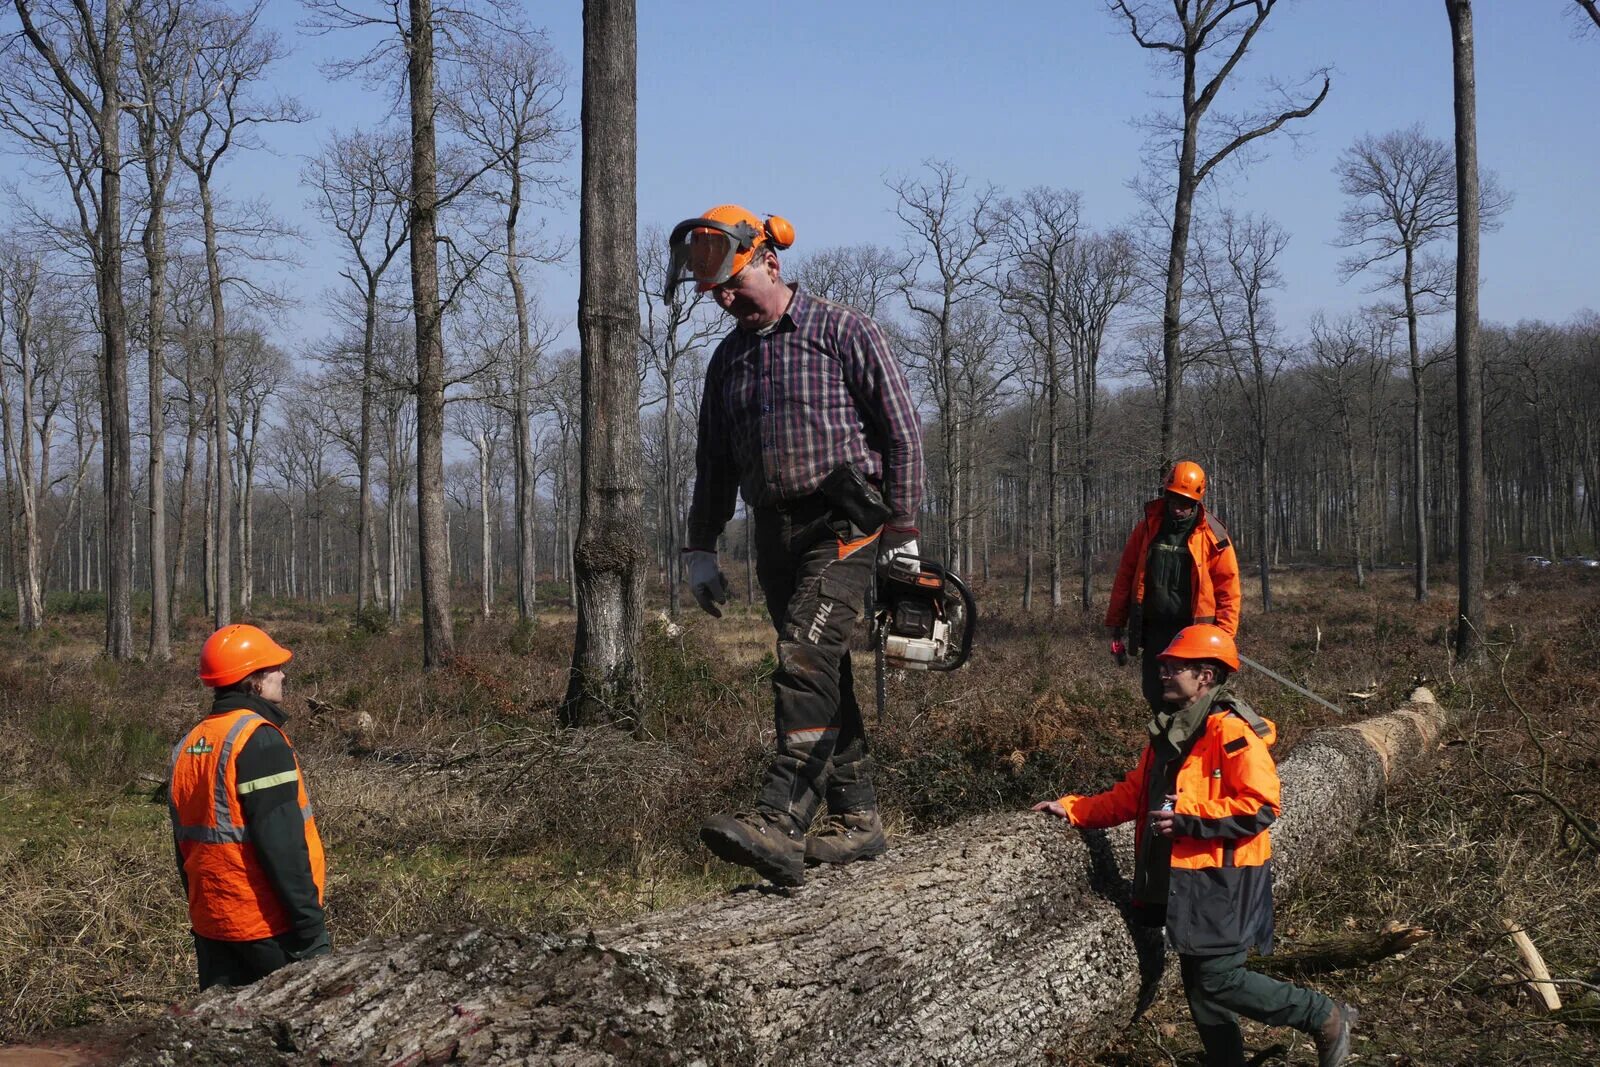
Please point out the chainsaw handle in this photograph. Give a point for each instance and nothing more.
(968, 603)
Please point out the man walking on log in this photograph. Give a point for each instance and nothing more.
(808, 416)
(1178, 569)
(1204, 793)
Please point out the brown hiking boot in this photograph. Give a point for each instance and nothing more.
(1333, 1037)
(767, 844)
(849, 836)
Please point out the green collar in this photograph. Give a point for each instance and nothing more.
(1180, 727)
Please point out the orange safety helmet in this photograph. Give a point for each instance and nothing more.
(1187, 479)
(718, 245)
(237, 651)
(1203, 641)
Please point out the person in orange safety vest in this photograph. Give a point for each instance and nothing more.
(249, 854)
(1178, 569)
(1202, 798)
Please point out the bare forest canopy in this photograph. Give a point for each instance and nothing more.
(162, 448)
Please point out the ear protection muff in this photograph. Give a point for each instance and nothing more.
(780, 231)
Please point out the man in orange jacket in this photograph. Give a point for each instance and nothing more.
(249, 853)
(1204, 794)
(1178, 569)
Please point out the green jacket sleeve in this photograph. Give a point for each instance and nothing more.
(269, 795)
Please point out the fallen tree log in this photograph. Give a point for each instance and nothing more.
(998, 940)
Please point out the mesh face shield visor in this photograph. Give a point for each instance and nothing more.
(707, 252)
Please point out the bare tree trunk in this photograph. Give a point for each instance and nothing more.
(1419, 481)
(1000, 940)
(522, 455)
(180, 559)
(1030, 522)
(155, 245)
(607, 579)
(208, 537)
(366, 564)
(486, 583)
(1471, 539)
(438, 630)
(221, 469)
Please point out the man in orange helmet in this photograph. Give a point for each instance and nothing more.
(807, 415)
(1178, 569)
(1204, 794)
(249, 854)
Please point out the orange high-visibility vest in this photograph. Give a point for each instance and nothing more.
(230, 896)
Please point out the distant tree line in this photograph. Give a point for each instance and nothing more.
(435, 438)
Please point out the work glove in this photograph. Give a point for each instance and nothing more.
(706, 580)
(897, 541)
(1119, 647)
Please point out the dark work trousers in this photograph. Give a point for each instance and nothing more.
(1220, 989)
(234, 963)
(1156, 635)
(814, 571)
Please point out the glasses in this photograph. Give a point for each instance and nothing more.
(1172, 670)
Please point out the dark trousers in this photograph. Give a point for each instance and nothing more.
(815, 572)
(1155, 636)
(1220, 989)
(234, 963)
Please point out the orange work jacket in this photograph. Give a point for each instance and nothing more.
(230, 895)
(1215, 571)
(1219, 897)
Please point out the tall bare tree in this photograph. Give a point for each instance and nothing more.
(230, 64)
(1403, 199)
(1037, 232)
(1098, 280)
(359, 181)
(507, 102)
(21, 273)
(261, 370)
(1203, 42)
(164, 39)
(419, 37)
(82, 51)
(608, 560)
(1471, 536)
(948, 244)
(1237, 267)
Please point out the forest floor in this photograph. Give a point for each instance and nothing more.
(453, 798)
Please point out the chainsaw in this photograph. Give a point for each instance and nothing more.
(923, 619)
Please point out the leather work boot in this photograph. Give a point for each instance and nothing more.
(849, 836)
(767, 844)
(1333, 1037)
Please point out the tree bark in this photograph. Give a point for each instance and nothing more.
(1472, 515)
(222, 469)
(438, 630)
(607, 559)
(1000, 940)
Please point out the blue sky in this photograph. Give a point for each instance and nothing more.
(805, 109)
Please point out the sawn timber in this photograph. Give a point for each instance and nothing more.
(995, 941)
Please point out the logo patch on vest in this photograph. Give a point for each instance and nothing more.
(1238, 744)
(199, 748)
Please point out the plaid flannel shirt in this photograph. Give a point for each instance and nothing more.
(781, 410)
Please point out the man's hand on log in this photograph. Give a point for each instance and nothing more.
(1161, 821)
(1053, 807)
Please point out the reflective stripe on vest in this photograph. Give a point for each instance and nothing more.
(224, 830)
